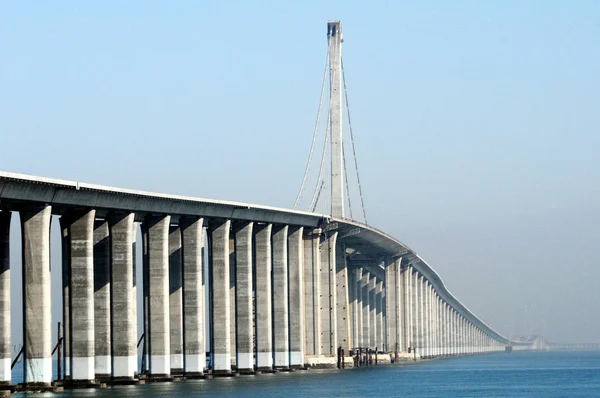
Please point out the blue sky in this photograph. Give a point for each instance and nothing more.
(476, 124)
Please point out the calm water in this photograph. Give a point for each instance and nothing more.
(542, 374)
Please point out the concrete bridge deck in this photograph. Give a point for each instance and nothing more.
(318, 283)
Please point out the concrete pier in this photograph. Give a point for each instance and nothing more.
(157, 265)
(382, 329)
(192, 244)
(342, 299)
(357, 307)
(327, 302)
(312, 259)
(81, 268)
(296, 295)
(175, 300)
(124, 322)
(263, 268)
(372, 312)
(232, 298)
(407, 308)
(365, 340)
(379, 315)
(102, 321)
(221, 306)
(426, 318)
(5, 338)
(244, 288)
(65, 241)
(392, 302)
(281, 333)
(37, 320)
(415, 304)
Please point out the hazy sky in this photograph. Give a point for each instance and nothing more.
(476, 125)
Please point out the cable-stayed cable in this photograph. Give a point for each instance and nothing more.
(313, 201)
(312, 145)
(362, 201)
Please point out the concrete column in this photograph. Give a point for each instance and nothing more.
(135, 227)
(342, 300)
(358, 324)
(379, 315)
(123, 323)
(372, 312)
(407, 308)
(432, 322)
(312, 288)
(327, 302)
(157, 266)
(81, 270)
(366, 328)
(65, 241)
(438, 318)
(175, 300)
(353, 301)
(454, 333)
(426, 318)
(281, 333)
(5, 340)
(296, 293)
(194, 342)
(448, 332)
(391, 306)
(384, 346)
(457, 350)
(37, 315)
(443, 328)
(459, 340)
(398, 310)
(416, 317)
(232, 301)
(264, 327)
(449, 348)
(243, 289)
(102, 346)
(221, 306)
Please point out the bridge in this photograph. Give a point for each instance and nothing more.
(228, 287)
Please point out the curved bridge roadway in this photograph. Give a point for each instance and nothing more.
(286, 288)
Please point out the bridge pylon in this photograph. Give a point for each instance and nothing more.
(334, 38)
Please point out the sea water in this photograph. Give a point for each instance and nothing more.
(519, 374)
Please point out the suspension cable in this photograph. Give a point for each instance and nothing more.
(314, 138)
(316, 192)
(362, 201)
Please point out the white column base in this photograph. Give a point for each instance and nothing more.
(245, 360)
(67, 364)
(282, 359)
(176, 361)
(38, 370)
(83, 368)
(296, 358)
(5, 373)
(222, 362)
(124, 366)
(195, 363)
(103, 365)
(264, 360)
(160, 364)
